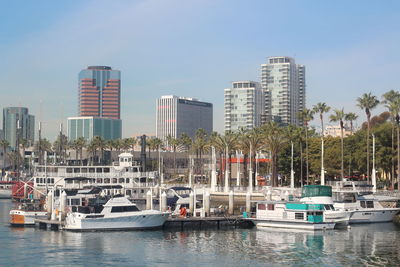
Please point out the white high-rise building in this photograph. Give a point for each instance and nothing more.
(285, 89)
(244, 105)
(176, 115)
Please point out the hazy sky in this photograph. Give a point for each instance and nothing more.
(191, 48)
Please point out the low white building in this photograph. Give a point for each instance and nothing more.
(334, 131)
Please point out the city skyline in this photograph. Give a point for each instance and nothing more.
(348, 48)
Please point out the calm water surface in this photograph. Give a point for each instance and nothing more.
(369, 245)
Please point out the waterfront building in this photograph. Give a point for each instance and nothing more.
(100, 92)
(285, 90)
(335, 131)
(177, 115)
(90, 126)
(244, 105)
(18, 124)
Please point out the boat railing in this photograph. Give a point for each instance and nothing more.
(151, 175)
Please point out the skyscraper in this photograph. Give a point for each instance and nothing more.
(100, 92)
(244, 105)
(89, 127)
(177, 115)
(18, 124)
(285, 89)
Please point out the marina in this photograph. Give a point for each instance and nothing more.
(364, 244)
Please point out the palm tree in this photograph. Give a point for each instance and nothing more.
(391, 100)
(200, 145)
(250, 141)
(367, 102)
(4, 145)
(321, 108)
(173, 143)
(274, 140)
(80, 143)
(339, 116)
(43, 145)
(228, 142)
(306, 116)
(350, 117)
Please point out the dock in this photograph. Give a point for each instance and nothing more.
(206, 222)
(52, 224)
(189, 223)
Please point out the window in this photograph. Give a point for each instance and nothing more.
(362, 204)
(271, 207)
(370, 204)
(299, 216)
(124, 209)
(261, 207)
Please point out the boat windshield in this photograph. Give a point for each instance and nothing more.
(316, 191)
(329, 207)
(124, 209)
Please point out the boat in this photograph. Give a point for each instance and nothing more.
(176, 193)
(367, 208)
(118, 213)
(291, 215)
(123, 177)
(27, 213)
(6, 189)
(322, 194)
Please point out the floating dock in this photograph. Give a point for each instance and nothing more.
(190, 223)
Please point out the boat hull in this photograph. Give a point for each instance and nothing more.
(129, 222)
(5, 193)
(373, 215)
(261, 223)
(25, 218)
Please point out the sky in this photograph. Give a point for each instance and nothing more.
(194, 49)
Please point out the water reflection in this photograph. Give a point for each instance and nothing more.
(377, 245)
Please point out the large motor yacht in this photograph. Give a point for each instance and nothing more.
(367, 208)
(119, 213)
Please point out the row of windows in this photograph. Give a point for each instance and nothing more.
(43, 180)
(124, 209)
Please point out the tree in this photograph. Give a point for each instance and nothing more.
(350, 117)
(306, 116)
(80, 143)
(367, 102)
(250, 141)
(200, 145)
(41, 146)
(173, 143)
(321, 108)
(228, 143)
(339, 116)
(274, 139)
(4, 145)
(391, 100)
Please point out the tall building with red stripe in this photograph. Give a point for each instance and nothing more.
(100, 92)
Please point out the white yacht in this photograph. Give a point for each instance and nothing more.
(367, 208)
(117, 214)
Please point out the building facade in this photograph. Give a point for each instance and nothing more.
(177, 115)
(285, 90)
(18, 124)
(244, 105)
(100, 92)
(89, 127)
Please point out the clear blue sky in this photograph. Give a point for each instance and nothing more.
(192, 48)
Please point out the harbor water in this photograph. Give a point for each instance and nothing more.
(360, 245)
